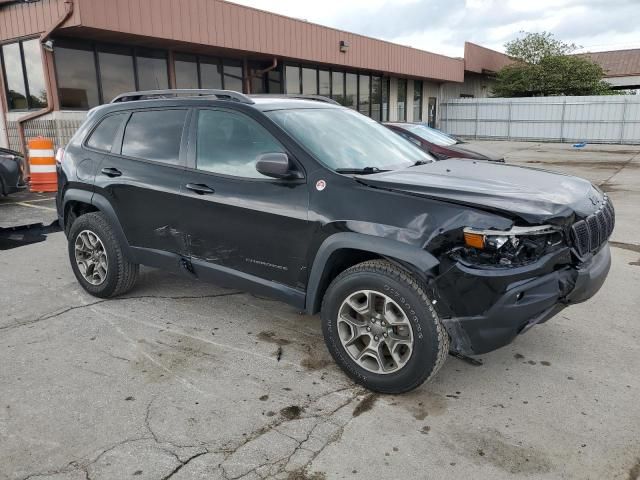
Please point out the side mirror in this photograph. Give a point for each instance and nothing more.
(276, 165)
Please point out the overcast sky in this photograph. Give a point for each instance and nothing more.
(442, 26)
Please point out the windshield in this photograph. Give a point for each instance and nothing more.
(431, 135)
(343, 139)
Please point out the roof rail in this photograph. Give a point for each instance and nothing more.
(150, 94)
(317, 98)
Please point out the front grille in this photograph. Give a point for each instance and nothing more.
(589, 234)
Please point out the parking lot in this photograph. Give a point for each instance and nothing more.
(186, 380)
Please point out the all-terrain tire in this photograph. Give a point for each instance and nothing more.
(121, 274)
(431, 342)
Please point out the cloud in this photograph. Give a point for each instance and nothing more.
(442, 26)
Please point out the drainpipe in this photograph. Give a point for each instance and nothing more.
(259, 73)
(3, 110)
(47, 62)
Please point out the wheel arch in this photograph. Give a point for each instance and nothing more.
(343, 250)
(80, 202)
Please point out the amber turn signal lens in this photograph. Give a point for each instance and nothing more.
(474, 240)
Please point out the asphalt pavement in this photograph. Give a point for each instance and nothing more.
(185, 380)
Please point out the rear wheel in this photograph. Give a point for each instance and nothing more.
(97, 259)
(381, 328)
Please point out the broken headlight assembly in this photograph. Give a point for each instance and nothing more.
(513, 247)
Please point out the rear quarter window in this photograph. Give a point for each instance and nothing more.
(104, 135)
(154, 135)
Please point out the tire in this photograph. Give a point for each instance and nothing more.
(396, 292)
(121, 274)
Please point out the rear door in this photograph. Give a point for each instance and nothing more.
(141, 177)
(240, 219)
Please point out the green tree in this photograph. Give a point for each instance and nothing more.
(544, 66)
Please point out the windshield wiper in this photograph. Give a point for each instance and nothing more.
(360, 171)
(422, 162)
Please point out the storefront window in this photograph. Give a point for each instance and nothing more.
(35, 74)
(210, 73)
(90, 74)
(351, 92)
(376, 98)
(417, 100)
(309, 81)
(385, 99)
(364, 95)
(362, 92)
(77, 78)
(232, 78)
(274, 81)
(337, 87)
(324, 83)
(16, 87)
(292, 75)
(152, 70)
(402, 100)
(25, 83)
(186, 71)
(116, 72)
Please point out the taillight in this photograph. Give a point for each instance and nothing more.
(59, 155)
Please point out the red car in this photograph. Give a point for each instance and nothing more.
(441, 145)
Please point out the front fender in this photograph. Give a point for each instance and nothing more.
(403, 253)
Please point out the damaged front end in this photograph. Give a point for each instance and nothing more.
(496, 284)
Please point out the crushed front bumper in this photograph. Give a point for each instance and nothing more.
(494, 306)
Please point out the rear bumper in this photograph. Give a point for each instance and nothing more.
(522, 303)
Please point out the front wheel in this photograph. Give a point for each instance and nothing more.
(381, 328)
(97, 259)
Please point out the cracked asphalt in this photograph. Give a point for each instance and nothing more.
(186, 380)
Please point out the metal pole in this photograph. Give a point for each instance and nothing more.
(509, 122)
(624, 118)
(564, 108)
(477, 106)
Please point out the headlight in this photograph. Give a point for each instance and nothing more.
(519, 245)
(495, 239)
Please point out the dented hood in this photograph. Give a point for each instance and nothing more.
(534, 195)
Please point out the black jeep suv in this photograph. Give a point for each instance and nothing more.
(323, 208)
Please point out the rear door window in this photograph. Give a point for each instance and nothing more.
(104, 135)
(155, 135)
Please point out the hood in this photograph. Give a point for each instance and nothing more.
(534, 195)
(476, 151)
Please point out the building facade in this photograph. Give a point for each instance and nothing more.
(60, 58)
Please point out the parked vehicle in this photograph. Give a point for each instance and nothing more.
(441, 145)
(316, 205)
(11, 171)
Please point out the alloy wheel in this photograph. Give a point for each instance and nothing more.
(91, 257)
(375, 332)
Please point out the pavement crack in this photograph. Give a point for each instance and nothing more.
(147, 420)
(50, 315)
(58, 313)
(184, 464)
(625, 246)
(606, 183)
(283, 462)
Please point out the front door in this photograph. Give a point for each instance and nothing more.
(235, 217)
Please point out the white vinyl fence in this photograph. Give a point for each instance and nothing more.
(598, 119)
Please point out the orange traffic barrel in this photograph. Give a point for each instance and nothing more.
(42, 165)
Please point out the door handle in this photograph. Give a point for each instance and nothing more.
(200, 188)
(111, 172)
